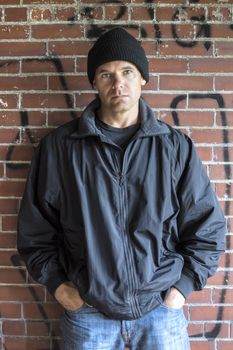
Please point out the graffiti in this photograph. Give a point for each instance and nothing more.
(203, 31)
(17, 262)
(228, 175)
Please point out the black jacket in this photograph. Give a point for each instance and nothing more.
(122, 233)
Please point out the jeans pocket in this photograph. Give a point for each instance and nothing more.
(76, 311)
(172, 309)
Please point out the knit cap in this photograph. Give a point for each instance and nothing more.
(117, 45)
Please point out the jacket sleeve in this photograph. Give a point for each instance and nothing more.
(39, 234)
(201, 224)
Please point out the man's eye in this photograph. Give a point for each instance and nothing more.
(128, 71)
(105, 75)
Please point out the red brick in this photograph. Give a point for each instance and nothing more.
(26, 343)
(60, 117)
(190, 118)
(209, 312)
(224, 83)
(140, 13)
(162, 100)
(9, 66)
(226, 261)
(168, 65)
(81, 65)
(9, 223)
(15, 14)
(8, 240)
(224, 329)
(9, 2)
(219, 279)
(23, 83)
(48, 65)
(223, 189)
(8, 206)
(218, 13)
(73, 83)
(64, 14)
(218, 172)
(40, 14)
(202, 345)
(33, 311)
(164, 13)
(70, 47)
(223, 48)
(21, 152)
(8, 101)
(11, 188)
(225, 345)
(172, 48)
(210, 136)
(227, 207)
(10, 118)
(14, 32)
(221, 152)
(14, 293)
(6, 257)
(186, 83)
(13, 327)
(46, 100)
(83, 99)
(222, 296)
(8, 135)
(23, 49)
(92, 13)
(38, 329)
(228, 100)
(221, 31)
(211, 65)
(195, 328)
(150, 47)
(2, 170)
(53, 31)
(205, 153)
(35, 136)
(10, 310)
(202, 296)
(185, 33)
(16, 172)
(204, 101)
(49, 2)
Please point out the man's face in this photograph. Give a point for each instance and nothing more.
(119, 86)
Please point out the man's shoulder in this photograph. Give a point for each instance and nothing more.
(172, 133)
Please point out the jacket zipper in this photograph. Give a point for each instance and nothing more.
(126, 242)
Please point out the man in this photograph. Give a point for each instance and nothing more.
(118, 218)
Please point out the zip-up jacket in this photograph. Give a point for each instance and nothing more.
(122, 231)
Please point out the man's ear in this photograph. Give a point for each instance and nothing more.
(93, 84)
(143, 82)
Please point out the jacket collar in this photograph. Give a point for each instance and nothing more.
(150, 126)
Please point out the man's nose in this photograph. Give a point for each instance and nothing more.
(118, 82)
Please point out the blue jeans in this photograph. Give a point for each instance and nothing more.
(161, 329)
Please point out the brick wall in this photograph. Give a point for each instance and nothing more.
(43, 46)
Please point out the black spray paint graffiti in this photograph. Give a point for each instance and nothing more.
(228, 175)
(95, 31)
(200, 22)
(17, 262)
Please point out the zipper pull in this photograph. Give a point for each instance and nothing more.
(121, 179)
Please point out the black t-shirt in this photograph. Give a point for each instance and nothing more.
(120, 136)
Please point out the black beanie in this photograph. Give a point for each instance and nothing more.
(117, 45)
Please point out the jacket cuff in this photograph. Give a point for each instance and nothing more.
(185, 285)
(55, 281)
